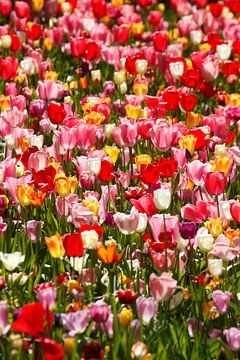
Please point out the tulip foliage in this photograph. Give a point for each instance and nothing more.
(119, 179)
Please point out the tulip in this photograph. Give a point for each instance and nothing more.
(33, 229)
(141, 66)
(89, 239)
(4, 326)
(176, 68)
(55, 245)
(8, 68)
(205, 242)
(125, 317)
(215, 267)
(12, 260)
(224, 51)
(162, 287)
(196, 36)
(221, 300)
(188, 230)
(233, 338)
(127, 224)
(46, 295)
(161, 135)
(146, 309)
(76, 322)
(215, 182)
(214, 226)
(162, 199)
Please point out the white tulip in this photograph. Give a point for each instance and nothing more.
(215, 267)
(6, 41)
(36, 140)
(96, 75)
(78, 263)
(141, 66)
(12, 260)
(11, 141)
(142, 222)
(89, 239)
(176, 68)
(205, 242)
(162, 199)
(196, 36)
(93, 165)
(182, 243)
(123, 88)
(119, 77)
(225, 207)
(224, 51)
(220, 150)
(88, 24)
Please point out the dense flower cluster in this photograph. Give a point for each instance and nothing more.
(119, 179)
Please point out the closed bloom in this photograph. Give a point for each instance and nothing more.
(221, 300)
(12, 260)
(100, 311)
(162, 287)
(215, 182)
(55, 245)
(125, 317)
(215, 267)
(205, 242)
(233, 338)
(4, 327)
(224, 51)
(162, 198)
(146, 308)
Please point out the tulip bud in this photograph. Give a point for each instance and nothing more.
(215, 267)
(6, 41)
(141, 66)
(108, 128)
(69, 347)
(96, 75)
(123, 88)
(196, 36)
(162, 198)
(139, 350)
(182, 243)
(125, 317)
(119, 77)
(224, 51)
(205, 242)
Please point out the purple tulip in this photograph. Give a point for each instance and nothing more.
(221, 300)
(233, 338)
(100, 311)
(188, 230)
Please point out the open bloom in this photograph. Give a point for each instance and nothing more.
(55, 245)
(12, 260)
(146, 308)
(162, 287)
(127, 224)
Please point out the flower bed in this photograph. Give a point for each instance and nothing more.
(119, 179)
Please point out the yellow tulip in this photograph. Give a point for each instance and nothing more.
(113, 152)
(94, 118)
(55, 245)
(137, 28)
(143, 159)
(192, 119)
(232, 99)
(188, 142)
(222, 163)
(51, 75)
(140, 89)
(92, 205)
(133, 111)
(48, 43)
(37, 5)
(125, 317)
(214, 226)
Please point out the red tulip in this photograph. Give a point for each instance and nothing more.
(201, 138)
(133, 193)
(32, 320)
(15, 44)
(236, 47)
(188, 102)
(150, 173)
(191, 78)
(106, 172)
(8, 68)
(233, 5)
(22, 9)
(34, 32)
(44, 179)
(78, 46)
(96, 227)
(167, 167)
(216, 9)
(235, 211)
(214, 39)
(92, 51)
(126, 296)
(51, 350)
(26, 155)
(130, 63)
(206, 89)
(171, 98)
(231, 68)
(5, 7)
(145, 205)
(73, 244)
(121, 33)
(160, 41)
(56, 113)
(215, 182)
(99, 8)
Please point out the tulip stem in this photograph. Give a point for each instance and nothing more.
(218, 209)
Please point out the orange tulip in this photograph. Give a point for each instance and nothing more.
(55, 245)
(27, 196)
(107, 254)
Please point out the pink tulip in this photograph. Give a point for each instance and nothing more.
(38, 161)
(156, 223)
(162, 287)
(210, 68)
(180, 156)
(19, 101)
(86, 136)
(33, 229)
(196, 171)
(192, 213)
(11, 89)
(129, 133)
(159, 259)
(63, 204)
(50, 90)
(146, 309)
(233, 338)
(223, 250)
(67, 138)
(145, 205)
(127, 224)
(221, 300)
(161, 135)
(80, 214)
(76, 322)
(46, 295)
